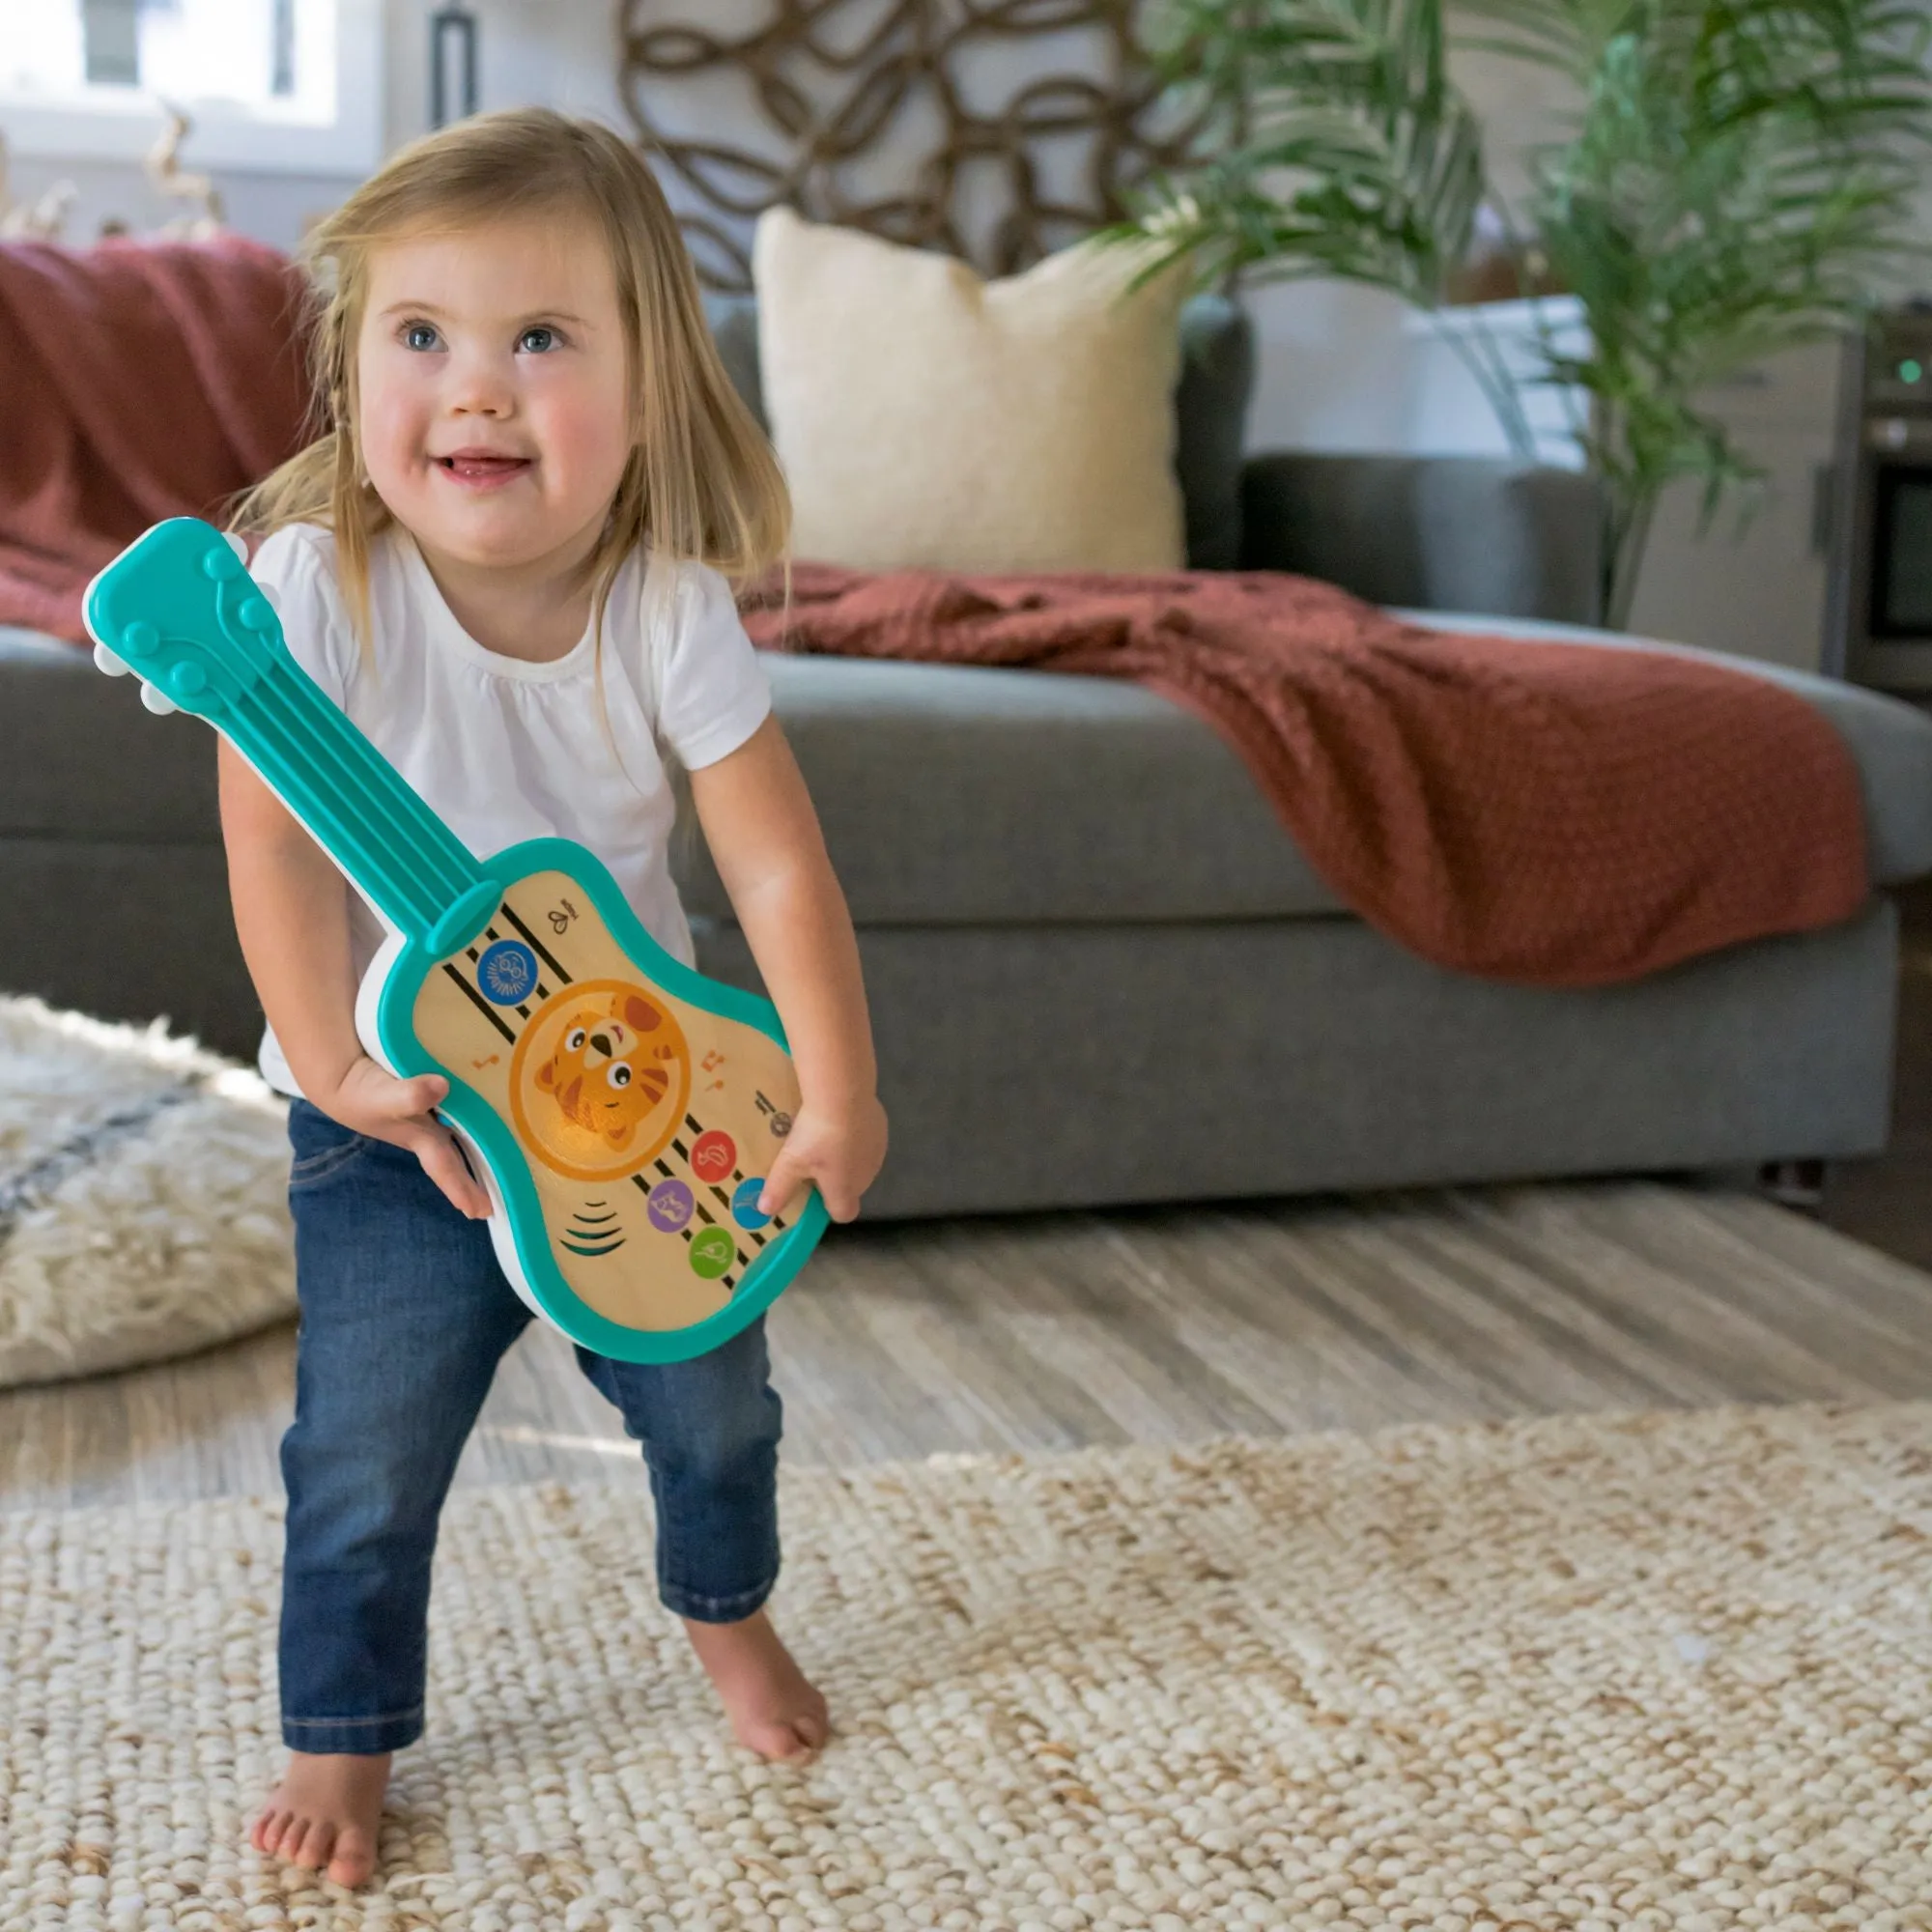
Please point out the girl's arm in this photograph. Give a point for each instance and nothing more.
(292, 917)
(765, 840)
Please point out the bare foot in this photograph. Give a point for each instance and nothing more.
(324, 1813)
(774, 1710)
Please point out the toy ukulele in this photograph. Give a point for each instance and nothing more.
(620, 1108)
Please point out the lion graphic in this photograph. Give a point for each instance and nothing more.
(608, 1073)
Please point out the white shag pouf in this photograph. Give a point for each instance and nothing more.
(143, 1196)
(1670, 1673)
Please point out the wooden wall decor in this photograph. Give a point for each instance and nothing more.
(834, 82)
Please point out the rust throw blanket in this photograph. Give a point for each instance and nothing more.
(138, 379)
(1549, 813)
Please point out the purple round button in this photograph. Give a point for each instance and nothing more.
(671, 1205)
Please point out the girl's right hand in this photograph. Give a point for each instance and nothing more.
(369, 1099)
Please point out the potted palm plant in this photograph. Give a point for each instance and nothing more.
(1738, 178)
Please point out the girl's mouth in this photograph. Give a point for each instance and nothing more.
(479, 469)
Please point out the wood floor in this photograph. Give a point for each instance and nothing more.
(1052, 1331)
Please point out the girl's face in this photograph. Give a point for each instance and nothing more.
(494, 406)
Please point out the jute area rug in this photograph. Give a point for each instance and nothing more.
(1672, 1672)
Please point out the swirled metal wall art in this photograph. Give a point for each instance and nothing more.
(833, 82)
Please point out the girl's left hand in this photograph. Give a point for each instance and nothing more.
(839, 1148)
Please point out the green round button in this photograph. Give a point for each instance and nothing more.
(712, 1253)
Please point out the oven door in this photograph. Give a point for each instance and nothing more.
(1900, 582)
(1890, 565)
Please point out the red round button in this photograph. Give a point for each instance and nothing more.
(713, 1154)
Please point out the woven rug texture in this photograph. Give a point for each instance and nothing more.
(1669, 1670)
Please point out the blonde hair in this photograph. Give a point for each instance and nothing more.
(701, 482)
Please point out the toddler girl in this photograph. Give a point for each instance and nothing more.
(507, 560)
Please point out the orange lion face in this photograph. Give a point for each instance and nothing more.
(608, 1071)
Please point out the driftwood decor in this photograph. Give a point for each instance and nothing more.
(1045, 109)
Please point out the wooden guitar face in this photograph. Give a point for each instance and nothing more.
(649, 1124)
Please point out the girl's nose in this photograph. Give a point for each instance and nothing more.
(478, 387)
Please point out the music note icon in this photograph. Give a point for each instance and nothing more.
(491, 1061)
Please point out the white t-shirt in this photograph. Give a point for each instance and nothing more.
(505, 751)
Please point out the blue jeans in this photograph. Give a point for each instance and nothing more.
(404, 1315)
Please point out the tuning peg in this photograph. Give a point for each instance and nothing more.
(270, 595)
(238, 544)
(108, 662)
(157, 700)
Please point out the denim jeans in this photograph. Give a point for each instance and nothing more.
(405, 1315)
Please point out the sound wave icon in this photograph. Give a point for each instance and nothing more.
(593, 1230)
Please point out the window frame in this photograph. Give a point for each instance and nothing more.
(117, 124)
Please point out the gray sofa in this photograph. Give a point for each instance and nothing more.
(1100, 970)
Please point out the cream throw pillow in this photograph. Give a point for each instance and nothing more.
(927, 418)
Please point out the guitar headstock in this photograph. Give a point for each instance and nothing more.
(179, 609)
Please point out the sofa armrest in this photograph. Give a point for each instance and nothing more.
(1478, 534)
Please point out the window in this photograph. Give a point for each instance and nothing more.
(283, 85)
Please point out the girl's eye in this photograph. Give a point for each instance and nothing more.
(418, 335)
(537, 341)
(620, 1076)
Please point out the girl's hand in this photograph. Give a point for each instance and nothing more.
(369, 1099)
(840, 1147)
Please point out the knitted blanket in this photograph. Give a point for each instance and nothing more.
(138, 381)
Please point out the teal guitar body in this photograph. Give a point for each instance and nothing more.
(621, 1109)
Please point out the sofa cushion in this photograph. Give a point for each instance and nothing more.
(963, 795)
(1211, 410)
(82, 757)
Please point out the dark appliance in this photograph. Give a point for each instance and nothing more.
(1878, 613)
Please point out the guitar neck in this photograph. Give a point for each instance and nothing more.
(370, 820)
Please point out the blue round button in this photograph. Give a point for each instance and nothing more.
(744, 1203)
(507, 972)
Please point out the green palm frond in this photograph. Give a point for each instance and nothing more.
(1330, 141)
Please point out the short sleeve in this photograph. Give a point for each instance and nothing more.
(712, 692)
(295, 567)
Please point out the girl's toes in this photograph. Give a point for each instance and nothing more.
(266, 1835)
(774, 1740)
(355, 1858)
(812, 1729)
(317, 1842)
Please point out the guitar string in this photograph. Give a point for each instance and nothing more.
(357, 806)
